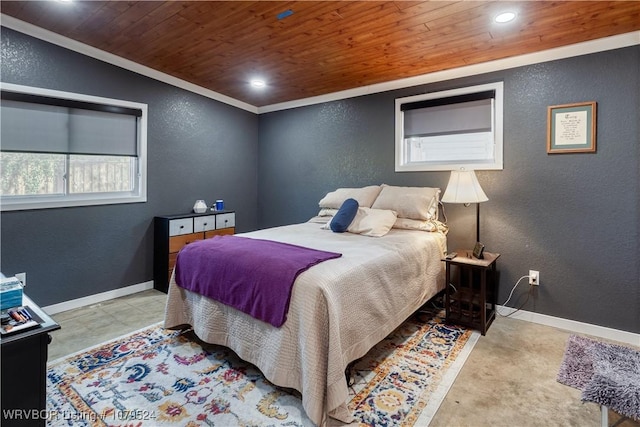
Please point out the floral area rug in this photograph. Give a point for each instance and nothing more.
(157, 377)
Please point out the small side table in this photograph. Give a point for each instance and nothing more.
(24, 371)
(470, 296)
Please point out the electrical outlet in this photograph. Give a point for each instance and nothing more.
(22, 277)
(534, 277)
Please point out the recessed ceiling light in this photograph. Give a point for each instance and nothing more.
(505, 17)
(258, 83)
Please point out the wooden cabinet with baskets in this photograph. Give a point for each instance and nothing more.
(173, 232)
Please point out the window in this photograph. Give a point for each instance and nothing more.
(460, 128)
(62, 149)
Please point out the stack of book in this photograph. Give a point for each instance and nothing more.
(13, 315)
(16, 319)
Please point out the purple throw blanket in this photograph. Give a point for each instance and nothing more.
(253, 275)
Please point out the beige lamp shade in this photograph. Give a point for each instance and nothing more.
(463, 187)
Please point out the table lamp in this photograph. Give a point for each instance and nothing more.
(463, 187)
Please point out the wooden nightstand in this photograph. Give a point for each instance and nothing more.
(470, 296)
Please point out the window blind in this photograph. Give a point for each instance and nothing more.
(451, 129)
(40, 124)
(446, 116)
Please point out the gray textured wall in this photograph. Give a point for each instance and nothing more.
(197, 149)
(573, 217)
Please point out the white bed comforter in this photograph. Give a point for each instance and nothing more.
(339, 309)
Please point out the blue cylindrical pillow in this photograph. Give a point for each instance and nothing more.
(343, 218)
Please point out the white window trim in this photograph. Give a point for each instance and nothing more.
(89, 199)
(400, 148)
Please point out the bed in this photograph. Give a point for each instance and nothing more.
(338, 310)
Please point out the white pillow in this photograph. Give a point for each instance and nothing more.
(426, 225)
(365, 196)
(327, 212)
(414, 224)
(369, 222)
(409, 202)
(372, 222)
(320, 219)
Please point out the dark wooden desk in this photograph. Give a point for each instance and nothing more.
(24, 370)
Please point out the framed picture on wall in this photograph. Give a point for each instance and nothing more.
(571, 128)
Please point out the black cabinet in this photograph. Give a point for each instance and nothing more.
(24, 370)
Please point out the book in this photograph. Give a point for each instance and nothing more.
(18, 319)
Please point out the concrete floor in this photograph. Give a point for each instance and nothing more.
(88, 326)
(509, 378)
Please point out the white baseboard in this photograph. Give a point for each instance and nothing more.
(94, 299)
(573, 326)
(542, 319)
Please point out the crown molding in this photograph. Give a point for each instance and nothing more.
(578, 49)
(76, 46)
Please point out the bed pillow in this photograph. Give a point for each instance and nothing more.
(419, 203)
(320, 219)
(372, 222)
(365, 196)
(327, 212)
(414, 224)
(343, 218)
(426, 225)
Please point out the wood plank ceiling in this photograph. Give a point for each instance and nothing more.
(323, 46)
